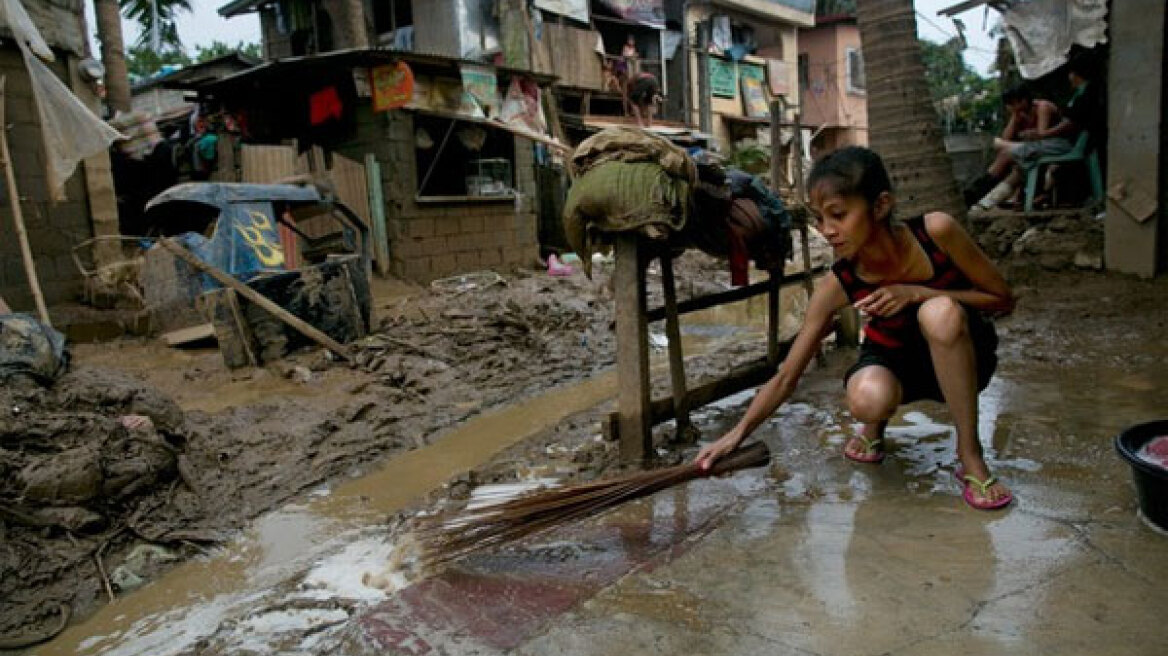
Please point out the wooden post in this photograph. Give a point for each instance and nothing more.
(705, 113)
(775, 287)
(776, 143)
(377, 214)
(801, 197)
(18, 216)
(257, 298)
(774, 315)
(632, 350)
(237, 343)
(686, 432)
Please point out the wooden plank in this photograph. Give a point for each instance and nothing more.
(776, 143)
(237, 343)
(267, 164)
(686, 432)
(730, 296)
(774, 316)
(259, 299)
(949, 12)
(377, 224)
(514, 129)
(632, 350)
(741, 378)
(358, 318)
(190, 335)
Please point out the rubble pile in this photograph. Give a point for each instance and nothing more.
(78, 460)
(530, 329)
(1071, 240)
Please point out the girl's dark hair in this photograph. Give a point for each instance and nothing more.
(851, 171)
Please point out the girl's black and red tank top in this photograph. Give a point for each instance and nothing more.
(894, 331)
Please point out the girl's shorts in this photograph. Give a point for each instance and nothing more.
(912, 364)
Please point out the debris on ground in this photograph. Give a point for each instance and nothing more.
(104, 466)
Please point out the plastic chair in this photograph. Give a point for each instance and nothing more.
(1079, 153)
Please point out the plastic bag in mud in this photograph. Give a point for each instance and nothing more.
(29, 347)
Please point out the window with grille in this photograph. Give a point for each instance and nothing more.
(855, 71)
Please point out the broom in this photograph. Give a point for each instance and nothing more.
(504, 518)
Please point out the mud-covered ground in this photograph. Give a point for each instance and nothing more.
(226, 446)
(79, 490)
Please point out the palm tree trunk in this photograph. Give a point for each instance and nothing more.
(113, 54)
(902, 122)
(349, 23)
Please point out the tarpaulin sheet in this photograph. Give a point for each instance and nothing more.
(1042, 32)
(29, 347)
(645, 12)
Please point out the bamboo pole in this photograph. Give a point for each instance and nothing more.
(259, 299)
(18, 216)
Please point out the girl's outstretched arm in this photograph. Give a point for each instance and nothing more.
(828, 297)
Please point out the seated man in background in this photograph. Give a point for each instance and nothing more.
(1026, 113)
(1083, 112)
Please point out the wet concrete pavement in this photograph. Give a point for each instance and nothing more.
(822, 556)
(814, 555)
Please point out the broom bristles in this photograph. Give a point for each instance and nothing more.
(449, 536)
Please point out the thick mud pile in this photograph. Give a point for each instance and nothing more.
(87, 501)
(82, 495)
(74, 476)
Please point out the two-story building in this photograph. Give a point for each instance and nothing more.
(750, 55)
(831, 78)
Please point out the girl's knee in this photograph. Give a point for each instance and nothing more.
(943, 320)
(871, 398)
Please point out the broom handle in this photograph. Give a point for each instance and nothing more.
(755, 455)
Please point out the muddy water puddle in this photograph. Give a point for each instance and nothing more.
(192, 600)
(326, 547)
(302, 569)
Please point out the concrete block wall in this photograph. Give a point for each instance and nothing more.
(53, 228)
(433, 240)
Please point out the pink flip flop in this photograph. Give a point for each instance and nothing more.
(969, 482)
(869, 455)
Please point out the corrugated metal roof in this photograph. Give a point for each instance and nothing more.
(237, 7)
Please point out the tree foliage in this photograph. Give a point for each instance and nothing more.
(144, 62)
(143, 13)
(218, 49)
(966, 101)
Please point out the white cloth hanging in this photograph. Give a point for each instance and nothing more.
(70, 130)
(1041, 32)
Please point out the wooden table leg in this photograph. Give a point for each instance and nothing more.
(774, 315)
(686, 432)
(632, 350)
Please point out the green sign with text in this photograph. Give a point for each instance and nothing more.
(723, 78)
